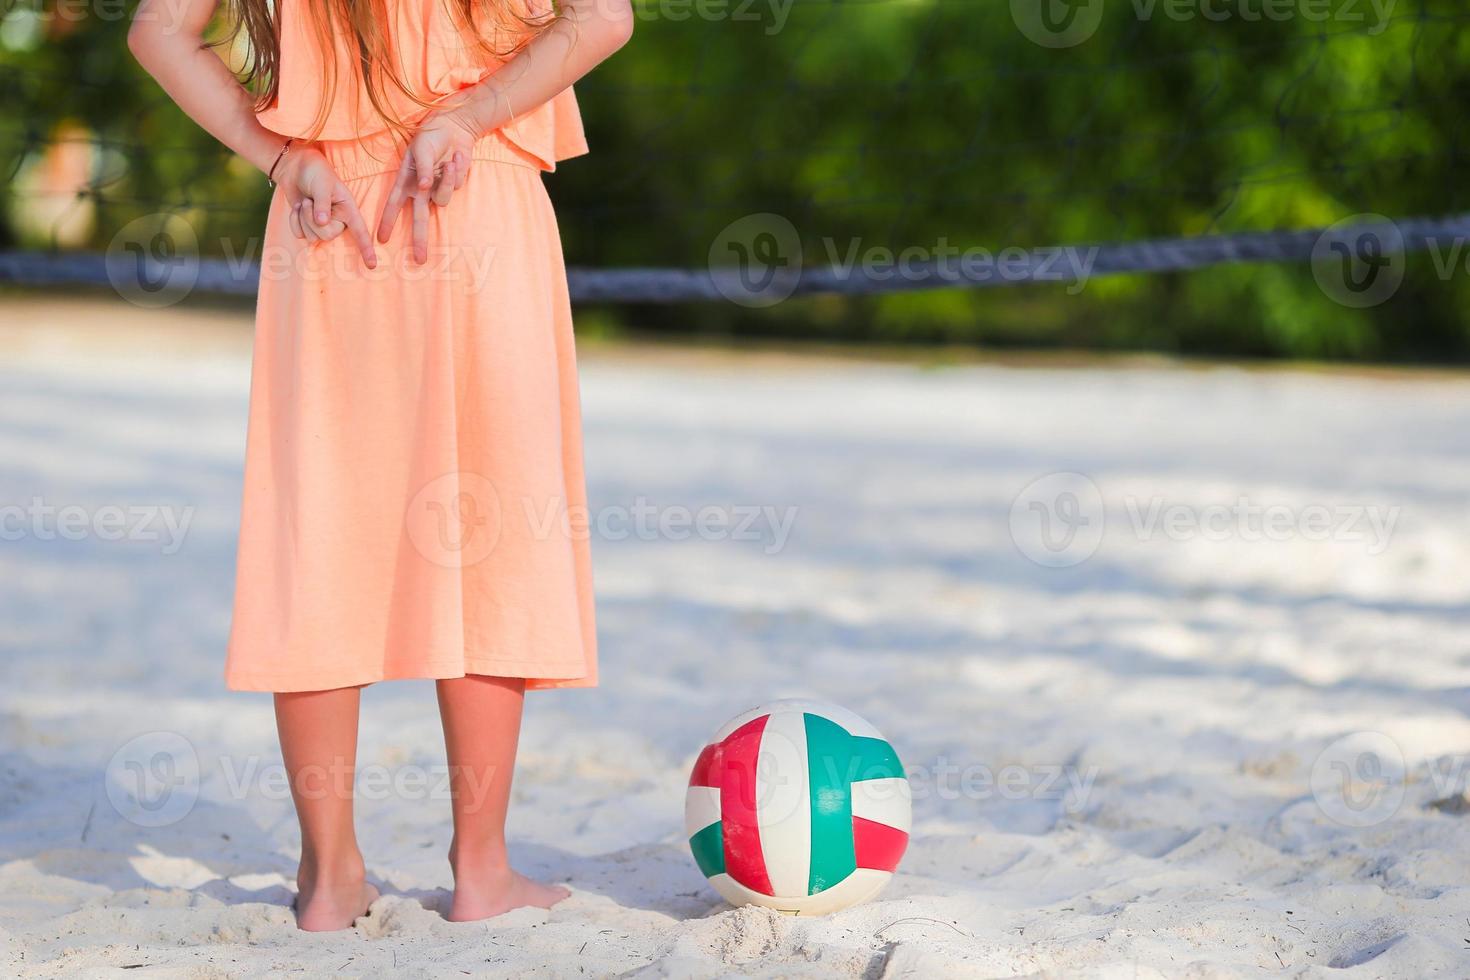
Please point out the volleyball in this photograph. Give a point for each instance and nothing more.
(798, 806)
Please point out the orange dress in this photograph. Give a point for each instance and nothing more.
(414, 503)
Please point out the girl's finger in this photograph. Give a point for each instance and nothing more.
(347, 208)
(329, 231)
(461, 168)
(396, 196)
(445, 187)
(293, 221)
(424, 165)
(308, 222)
(420, 228)
(308, 227)
(319, 217)
(318, 197)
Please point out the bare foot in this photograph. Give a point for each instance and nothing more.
(329, 906)
(479, 894)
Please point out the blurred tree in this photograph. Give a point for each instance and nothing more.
(892, 124)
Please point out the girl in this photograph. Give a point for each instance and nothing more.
(414, 452)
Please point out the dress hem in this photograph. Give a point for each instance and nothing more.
(536, 675)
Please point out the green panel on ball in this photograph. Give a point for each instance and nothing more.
(874, 759)
(829, 753)
(708, 846)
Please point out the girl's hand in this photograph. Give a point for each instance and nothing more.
(321, 206)
(434, 167)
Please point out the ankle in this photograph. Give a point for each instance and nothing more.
(341, 868)
(479, 856)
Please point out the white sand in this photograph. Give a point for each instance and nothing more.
(1179, 691)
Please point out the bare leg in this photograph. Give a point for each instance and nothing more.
(319, 743)
(482, 724)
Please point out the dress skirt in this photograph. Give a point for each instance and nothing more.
(414, 501)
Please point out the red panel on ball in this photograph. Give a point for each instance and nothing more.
(707, 766)
(739, 753)
(877, 845)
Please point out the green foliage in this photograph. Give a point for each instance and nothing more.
(904, 123)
